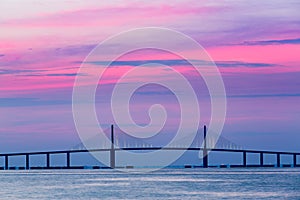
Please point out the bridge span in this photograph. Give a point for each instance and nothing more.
(112, 151)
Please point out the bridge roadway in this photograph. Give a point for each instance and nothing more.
(69, 152)
(113, 150)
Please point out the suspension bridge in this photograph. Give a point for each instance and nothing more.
(223, 145)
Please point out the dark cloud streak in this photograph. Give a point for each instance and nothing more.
(273, 42)
(180, 62)
(263, 95)
(29, 102)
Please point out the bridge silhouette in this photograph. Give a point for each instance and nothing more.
(223, 145)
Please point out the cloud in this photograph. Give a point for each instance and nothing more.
(180, 62)
(23, 102)
(154, 93)
(241, 64)
(113, 15)
(139, 62)
(17, 71)
(273, 42)
(75, 49)
(264, 95)
(58, 57)
(70, 74)
(62, 71)
(1, 55)
(56, 74)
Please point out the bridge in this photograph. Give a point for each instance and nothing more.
(112, 152)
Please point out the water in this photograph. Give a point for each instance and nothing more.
(164, 184)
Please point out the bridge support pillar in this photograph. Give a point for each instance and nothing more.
(278, 159)
(244, 159)
(295, 160)
(27, 161)
(205, 155)
(48, 160)
(68, 159)
(6, 163)
(261, 158)
(112, 150)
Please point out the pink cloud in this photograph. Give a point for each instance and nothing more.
(284, 57)
(113, 15)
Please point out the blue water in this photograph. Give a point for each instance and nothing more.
(275, 183)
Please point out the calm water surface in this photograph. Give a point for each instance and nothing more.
(163, 184)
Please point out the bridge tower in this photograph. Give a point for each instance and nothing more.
(205, 156)
(112, 150)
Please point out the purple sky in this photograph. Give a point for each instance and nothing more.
(255, 45)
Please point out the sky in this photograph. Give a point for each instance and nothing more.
(255, 45)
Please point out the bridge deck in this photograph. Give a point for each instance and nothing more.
(113, 149)
(69, 152)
